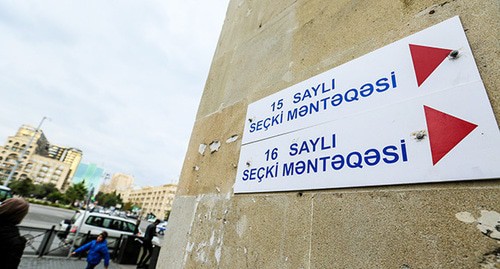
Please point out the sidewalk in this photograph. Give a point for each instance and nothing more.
(33, 262)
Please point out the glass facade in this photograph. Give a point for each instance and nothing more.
(91, 174)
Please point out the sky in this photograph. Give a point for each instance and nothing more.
(119, 80)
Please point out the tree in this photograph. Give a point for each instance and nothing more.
(108, 199)
(43, 190)
(128, 206)
(75, 192)
(22, 187)
(57, 196)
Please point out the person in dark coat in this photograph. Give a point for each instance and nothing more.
(147, 244)
(12, 212)
(97, 250)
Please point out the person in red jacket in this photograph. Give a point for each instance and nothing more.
(98, 249)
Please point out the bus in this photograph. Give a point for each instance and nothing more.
(5, 193)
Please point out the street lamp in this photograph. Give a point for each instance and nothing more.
(18, 161)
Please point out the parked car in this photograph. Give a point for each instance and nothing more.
(97, 223)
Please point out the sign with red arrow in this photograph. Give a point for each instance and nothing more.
(414, 111)
(426, 60)
(445, 132)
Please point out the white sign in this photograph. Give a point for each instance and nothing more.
(413, 111)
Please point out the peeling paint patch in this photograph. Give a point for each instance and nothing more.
(491, 260)
(201, 148)
(232, 139)
(488, 223)
(218, 252)
(241, 226)
(190, 246)
(214, 146)
(465, 217)
(212, 238)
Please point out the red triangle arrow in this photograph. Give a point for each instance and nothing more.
(445, 132)
(426, 60)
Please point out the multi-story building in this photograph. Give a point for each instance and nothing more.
(119, 182)
(41, 162)
(91, 174)
(71, 156)
(157, 200)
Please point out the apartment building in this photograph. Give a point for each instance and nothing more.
(41, 162)
(119, 182)
(157, 200)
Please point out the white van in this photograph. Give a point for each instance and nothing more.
(97, 223)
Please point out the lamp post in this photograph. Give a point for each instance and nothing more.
(18, 161)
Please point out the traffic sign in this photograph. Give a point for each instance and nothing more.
(411, 112)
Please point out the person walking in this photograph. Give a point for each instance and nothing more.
(12, 212)
(147, 244)
(98, 249)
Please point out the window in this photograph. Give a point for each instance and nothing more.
(128, 227)
(95, 221)
(11, 157)
(16, 147)
(115, 224)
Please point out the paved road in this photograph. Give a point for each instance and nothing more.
(45, 216)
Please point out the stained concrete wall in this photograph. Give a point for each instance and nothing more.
(266, 46)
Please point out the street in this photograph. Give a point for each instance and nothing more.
(41, 216)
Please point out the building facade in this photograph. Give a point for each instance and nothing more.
(119, 182)
(269, 46)
(42, 162)
(157, 200)
(70, 156)
(91, 174)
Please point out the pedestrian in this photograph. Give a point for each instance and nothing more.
(12, 212)
(98, 249)
(147, 244)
